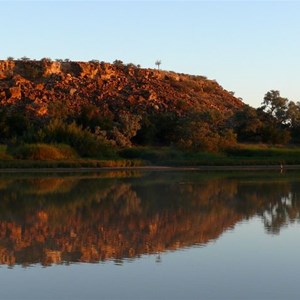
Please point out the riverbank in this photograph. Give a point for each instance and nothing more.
(245, 157)
(153, 168)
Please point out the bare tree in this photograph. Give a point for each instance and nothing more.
(158, 63)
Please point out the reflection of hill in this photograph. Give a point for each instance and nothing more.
(53, 220)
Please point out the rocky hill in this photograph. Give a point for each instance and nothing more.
(45, 88)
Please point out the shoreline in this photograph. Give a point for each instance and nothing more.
(152, 168)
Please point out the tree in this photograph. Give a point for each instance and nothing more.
(25, 58)
(276, 106)
(131, 65)
(118, 63)
(247, 124)
(158, 63)
(157, 129)
(293, 114)
(204, 131)
(276, 113)
(128, 126)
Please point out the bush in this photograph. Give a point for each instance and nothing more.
(82, 140)
(43, 152)
(5, 156)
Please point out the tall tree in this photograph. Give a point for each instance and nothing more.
(293, 114)
(276, 106)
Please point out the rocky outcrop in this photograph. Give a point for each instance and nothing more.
(40, 86)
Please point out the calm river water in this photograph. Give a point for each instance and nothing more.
(150, 235)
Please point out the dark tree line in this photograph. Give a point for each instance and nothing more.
(277, 121)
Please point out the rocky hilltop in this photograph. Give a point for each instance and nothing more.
(44, 88)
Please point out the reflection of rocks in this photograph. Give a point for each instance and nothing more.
(95, 220)
(50, 185)
(7, 258)
(52, 256)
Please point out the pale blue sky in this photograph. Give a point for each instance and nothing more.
(248, 47)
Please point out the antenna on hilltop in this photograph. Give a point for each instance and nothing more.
(158, 63)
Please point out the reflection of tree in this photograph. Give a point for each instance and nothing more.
(70, 219)
(275, 202)
(281, 213)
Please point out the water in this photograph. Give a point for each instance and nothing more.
(150, 235)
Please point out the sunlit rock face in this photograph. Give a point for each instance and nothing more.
(35, 86)
(52, 220)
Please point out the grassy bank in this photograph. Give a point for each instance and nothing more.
(56, 156)
(240, 156)
(61, 156)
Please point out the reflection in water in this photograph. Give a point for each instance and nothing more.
(123, 215)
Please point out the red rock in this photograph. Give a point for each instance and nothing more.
(77, 83)
(15, 92)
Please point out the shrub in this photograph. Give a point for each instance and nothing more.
(43, 152)
(118, 63)
(12, 124)
(197, 135)
(82, 140)
(5, 156)
(25, 58)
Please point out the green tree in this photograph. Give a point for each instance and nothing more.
(91, 116)
(4, 128)
(157, 129)
(293, 113)
(127, 126)
(247, 124)
(118, 63)
(205, 131)
(276, 106)
(274, 114)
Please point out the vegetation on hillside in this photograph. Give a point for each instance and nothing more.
(99, 110)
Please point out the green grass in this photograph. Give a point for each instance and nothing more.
(62, 156)
(80, 163)
(3, 148)
(55, 156)
(240, 156)
(286, 155)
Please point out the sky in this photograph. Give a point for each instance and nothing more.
(249, 47)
